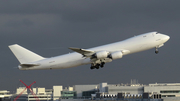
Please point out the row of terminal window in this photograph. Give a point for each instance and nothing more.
(171, 91)
(168, 96)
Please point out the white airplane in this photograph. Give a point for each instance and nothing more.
(97, 56)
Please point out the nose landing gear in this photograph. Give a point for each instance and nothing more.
(156, 51)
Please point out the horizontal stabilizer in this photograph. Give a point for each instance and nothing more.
(29, 65)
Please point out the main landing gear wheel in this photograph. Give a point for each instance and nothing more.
(96, 66)
(92, 67)
(102, 65)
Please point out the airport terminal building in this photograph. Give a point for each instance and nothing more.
(128, 92)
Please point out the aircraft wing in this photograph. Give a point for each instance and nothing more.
(84, 52)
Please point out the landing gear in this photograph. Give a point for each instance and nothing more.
(102, 64)
(156, 51)
(97, 66)
(93, 66)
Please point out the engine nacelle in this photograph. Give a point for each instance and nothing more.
(101, 54)
(116, 55)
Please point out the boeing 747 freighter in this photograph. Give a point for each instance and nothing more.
(96, 56)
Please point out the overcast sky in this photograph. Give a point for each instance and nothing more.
(49, 27)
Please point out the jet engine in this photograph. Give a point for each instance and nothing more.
(116, 55)
(101, 54)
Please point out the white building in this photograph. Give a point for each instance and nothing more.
(57, 92)
(169, 91)
(21, 89)
(4, 94)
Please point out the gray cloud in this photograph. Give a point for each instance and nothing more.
(50, 27)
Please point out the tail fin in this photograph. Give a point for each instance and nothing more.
(24, 55)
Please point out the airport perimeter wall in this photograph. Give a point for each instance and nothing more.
(171, 99)
(71, 100)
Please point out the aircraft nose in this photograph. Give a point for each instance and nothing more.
(167, 38)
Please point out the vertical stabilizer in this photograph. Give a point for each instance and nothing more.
(24, 55)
